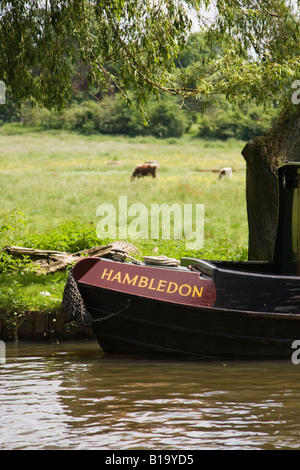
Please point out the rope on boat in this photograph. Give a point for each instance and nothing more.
(161, 260)
(74, 309)
(119, 255)
(73, 306)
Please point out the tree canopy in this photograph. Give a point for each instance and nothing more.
(252, 48)
(129, 45)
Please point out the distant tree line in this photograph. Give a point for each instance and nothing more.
(165, 119)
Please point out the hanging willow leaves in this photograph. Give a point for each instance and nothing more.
(130, 46)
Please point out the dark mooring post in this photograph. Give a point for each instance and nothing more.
(287, 247)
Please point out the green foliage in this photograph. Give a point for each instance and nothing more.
(254, 53)
(11, 264)
(11, 228)
(219, 121)
(113, 117)
(21, 294)
(195, 51)
(231, 121)
(167, 120)
(225, 249)
(42, 44)
(249, 50)
(69, 236)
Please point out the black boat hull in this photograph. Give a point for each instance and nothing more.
(220, 309)
(129, 324)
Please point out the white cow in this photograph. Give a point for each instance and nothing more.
(225, 172)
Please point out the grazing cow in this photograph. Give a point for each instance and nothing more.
(225, 172)
(144, 169)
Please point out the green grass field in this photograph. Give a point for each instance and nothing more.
(59, 179)
(52, 177)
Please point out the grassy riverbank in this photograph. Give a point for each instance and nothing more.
(53, 182)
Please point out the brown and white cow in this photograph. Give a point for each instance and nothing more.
(144, 169)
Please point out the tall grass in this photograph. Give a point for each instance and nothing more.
(57, 178)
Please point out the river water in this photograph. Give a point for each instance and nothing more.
(70, 396)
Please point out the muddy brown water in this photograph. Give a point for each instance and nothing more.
(70, 396)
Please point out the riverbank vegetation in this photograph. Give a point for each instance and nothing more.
(53, 182)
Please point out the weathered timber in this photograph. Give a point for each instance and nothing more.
(49, 261)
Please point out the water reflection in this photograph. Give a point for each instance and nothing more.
(69, 396)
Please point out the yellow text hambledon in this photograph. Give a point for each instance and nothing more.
(151, 283)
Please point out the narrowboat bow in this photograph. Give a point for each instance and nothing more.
(200, 308)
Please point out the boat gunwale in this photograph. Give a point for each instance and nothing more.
(216, 264)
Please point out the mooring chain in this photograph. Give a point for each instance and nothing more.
(112, 314)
